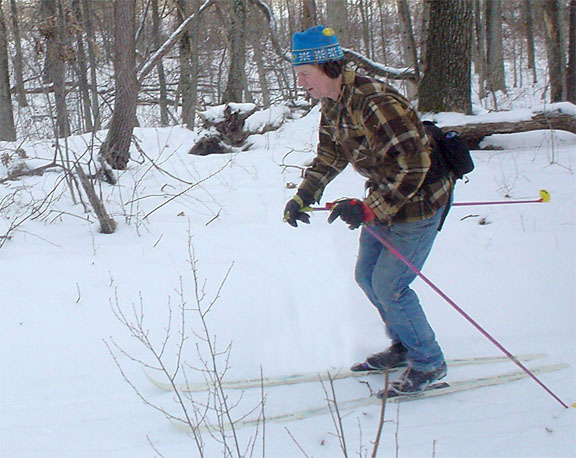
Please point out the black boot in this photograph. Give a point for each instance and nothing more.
(392, 357)
(413, 381)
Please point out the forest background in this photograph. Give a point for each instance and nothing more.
(76, 66)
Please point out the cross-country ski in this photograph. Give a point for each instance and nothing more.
(436, 390)
(329, 374)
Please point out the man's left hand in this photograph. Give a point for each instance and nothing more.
(353, 212)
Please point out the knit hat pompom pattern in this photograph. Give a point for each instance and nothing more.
(315, 45)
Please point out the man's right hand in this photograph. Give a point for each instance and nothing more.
(293, 210)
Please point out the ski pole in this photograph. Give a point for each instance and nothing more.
(544, 197)
(474, 323)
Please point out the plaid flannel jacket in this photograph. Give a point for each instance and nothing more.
(374, 128)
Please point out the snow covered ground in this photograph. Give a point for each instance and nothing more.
(288, 304)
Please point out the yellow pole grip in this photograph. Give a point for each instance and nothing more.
(544, 195)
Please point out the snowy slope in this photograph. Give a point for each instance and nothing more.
(288, 304)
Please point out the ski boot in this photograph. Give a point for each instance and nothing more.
(394, 356)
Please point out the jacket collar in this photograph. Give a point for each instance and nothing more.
(348, 77)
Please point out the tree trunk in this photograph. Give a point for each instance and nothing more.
(383, 15)
(446, 84)
(424, 32)
(365, 28)
(337, 19)
(480, 49)
(7, 129)
(53, 30)
(185, 82)
(496, 80)
(236, 74)
(107, 223)
(529, 18)
(18, 60)
(92, 62)
(257, 39)
(555, 49)
(116, 148)
(309, 14)
(163, 100)
(571, 69)
(194, 39)
(409, 51)
(82, 70)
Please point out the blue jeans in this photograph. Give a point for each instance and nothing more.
(386, 281)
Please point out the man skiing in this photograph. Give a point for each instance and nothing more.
(367, 123)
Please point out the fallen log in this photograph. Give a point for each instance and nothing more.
(473, 133)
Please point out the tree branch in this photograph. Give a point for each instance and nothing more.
(378, 69)
(151, 63)
(262, 6)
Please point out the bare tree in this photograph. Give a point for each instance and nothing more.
(257, 39)
(186, 81)
(365, 27)
(7, 129)
(237, 36)
(117, 145)
(555, 50)
(480, 48)
(496, 80)
(54, 33)
(82, 68)
(425, 27)
(18, 56)
(91, 52)
(337, 19)
(571, 69)
(446, 83)
(309, 14)
(529, 20)
(157, 37)
(409, 51)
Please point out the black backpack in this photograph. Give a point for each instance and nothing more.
(449, 154)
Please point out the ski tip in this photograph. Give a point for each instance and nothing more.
(360, 367)
(574, 405)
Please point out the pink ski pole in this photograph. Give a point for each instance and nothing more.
(544, 197)
(474, 323)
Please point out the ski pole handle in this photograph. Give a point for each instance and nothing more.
(327, 207)
(544, 195)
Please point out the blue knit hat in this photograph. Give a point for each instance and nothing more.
(315, 45)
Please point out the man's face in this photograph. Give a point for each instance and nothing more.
(314, 80)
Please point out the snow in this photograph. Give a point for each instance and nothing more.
(273, 117)
(482, 115)
(546, 140)
(288, 303)
(216, 114)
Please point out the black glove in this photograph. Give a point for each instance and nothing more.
(353, 212)
(293, 210)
